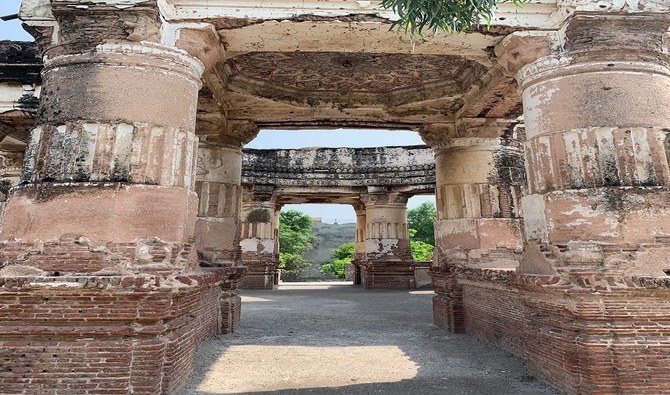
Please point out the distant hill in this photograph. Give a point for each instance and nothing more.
(328, 238)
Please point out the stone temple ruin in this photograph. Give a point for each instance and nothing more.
(135, 213)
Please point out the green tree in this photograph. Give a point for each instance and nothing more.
(342, 256)
(421, 252)
(422, 220)
(295, 232)
(295, 239)
(452, 16)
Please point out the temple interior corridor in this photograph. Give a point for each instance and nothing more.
(334, 338)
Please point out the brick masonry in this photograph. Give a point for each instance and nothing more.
(580, 339)
(109, 334)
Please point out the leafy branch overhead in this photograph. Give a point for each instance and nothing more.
(452, 16)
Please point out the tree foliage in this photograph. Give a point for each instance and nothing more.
(422, 221)
(295, 239)
(295, 232)
(451, 16)
(421, 252)
(292, 266)
(342, 256)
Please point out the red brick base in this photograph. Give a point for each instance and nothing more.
(614, 340)
(111, 334)
(260, 275)
(387, 275)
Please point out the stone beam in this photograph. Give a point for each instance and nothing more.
(410, 168)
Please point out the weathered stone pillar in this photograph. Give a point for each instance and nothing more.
(480, 179)
(97, 254)
(260, 237)
(597, 122)
(11, 163)
(388, 259)
(217, 229)
(597, 213)
(354, 269)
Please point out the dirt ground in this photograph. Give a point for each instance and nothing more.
(335, 338)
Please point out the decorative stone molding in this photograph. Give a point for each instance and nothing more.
(340, 167)
(384, 199)
(121, 152)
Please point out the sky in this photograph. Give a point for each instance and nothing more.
(268, 139)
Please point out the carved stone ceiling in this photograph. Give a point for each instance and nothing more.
(355, 73)
(350, 79)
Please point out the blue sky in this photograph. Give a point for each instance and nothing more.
(12, 30)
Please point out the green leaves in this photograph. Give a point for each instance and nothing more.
(421, 220)
(343, 255)
(451, 16)
(295, 232)
(295, 239)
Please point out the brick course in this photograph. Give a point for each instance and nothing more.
(114, 334)
(578, 339)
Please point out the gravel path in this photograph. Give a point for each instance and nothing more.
(334, 338)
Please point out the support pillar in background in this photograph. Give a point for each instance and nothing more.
(388, 258)
(260, 237)
(480, 179)
(97, 253)
(217, 229)
(354, 268)
(11, 163)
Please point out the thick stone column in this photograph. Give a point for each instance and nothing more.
(597, 213)
(260, 237)
(388, 259)
(354, 269)
(99, 280)
(480, 179)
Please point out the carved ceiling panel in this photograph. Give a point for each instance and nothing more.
(350, 79)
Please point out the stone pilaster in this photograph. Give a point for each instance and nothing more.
(388, 258)
(480, 179)
(354, 274)
(260, 237)
(11, 163)
(217, 229)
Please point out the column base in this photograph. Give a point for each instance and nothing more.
(578, 337)
(111, 334)
(354, 271)
(388, 275)
(448, 301)
(260, 275)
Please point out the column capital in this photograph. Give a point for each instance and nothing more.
(384, 199)
(11, 163)
(476, 133)
(234, 133)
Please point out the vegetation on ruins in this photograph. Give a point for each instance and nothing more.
(451, 16)
(295, 239)
(342, 256)
(422, 220)
(421, 251)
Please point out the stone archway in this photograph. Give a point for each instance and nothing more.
(98, 238)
